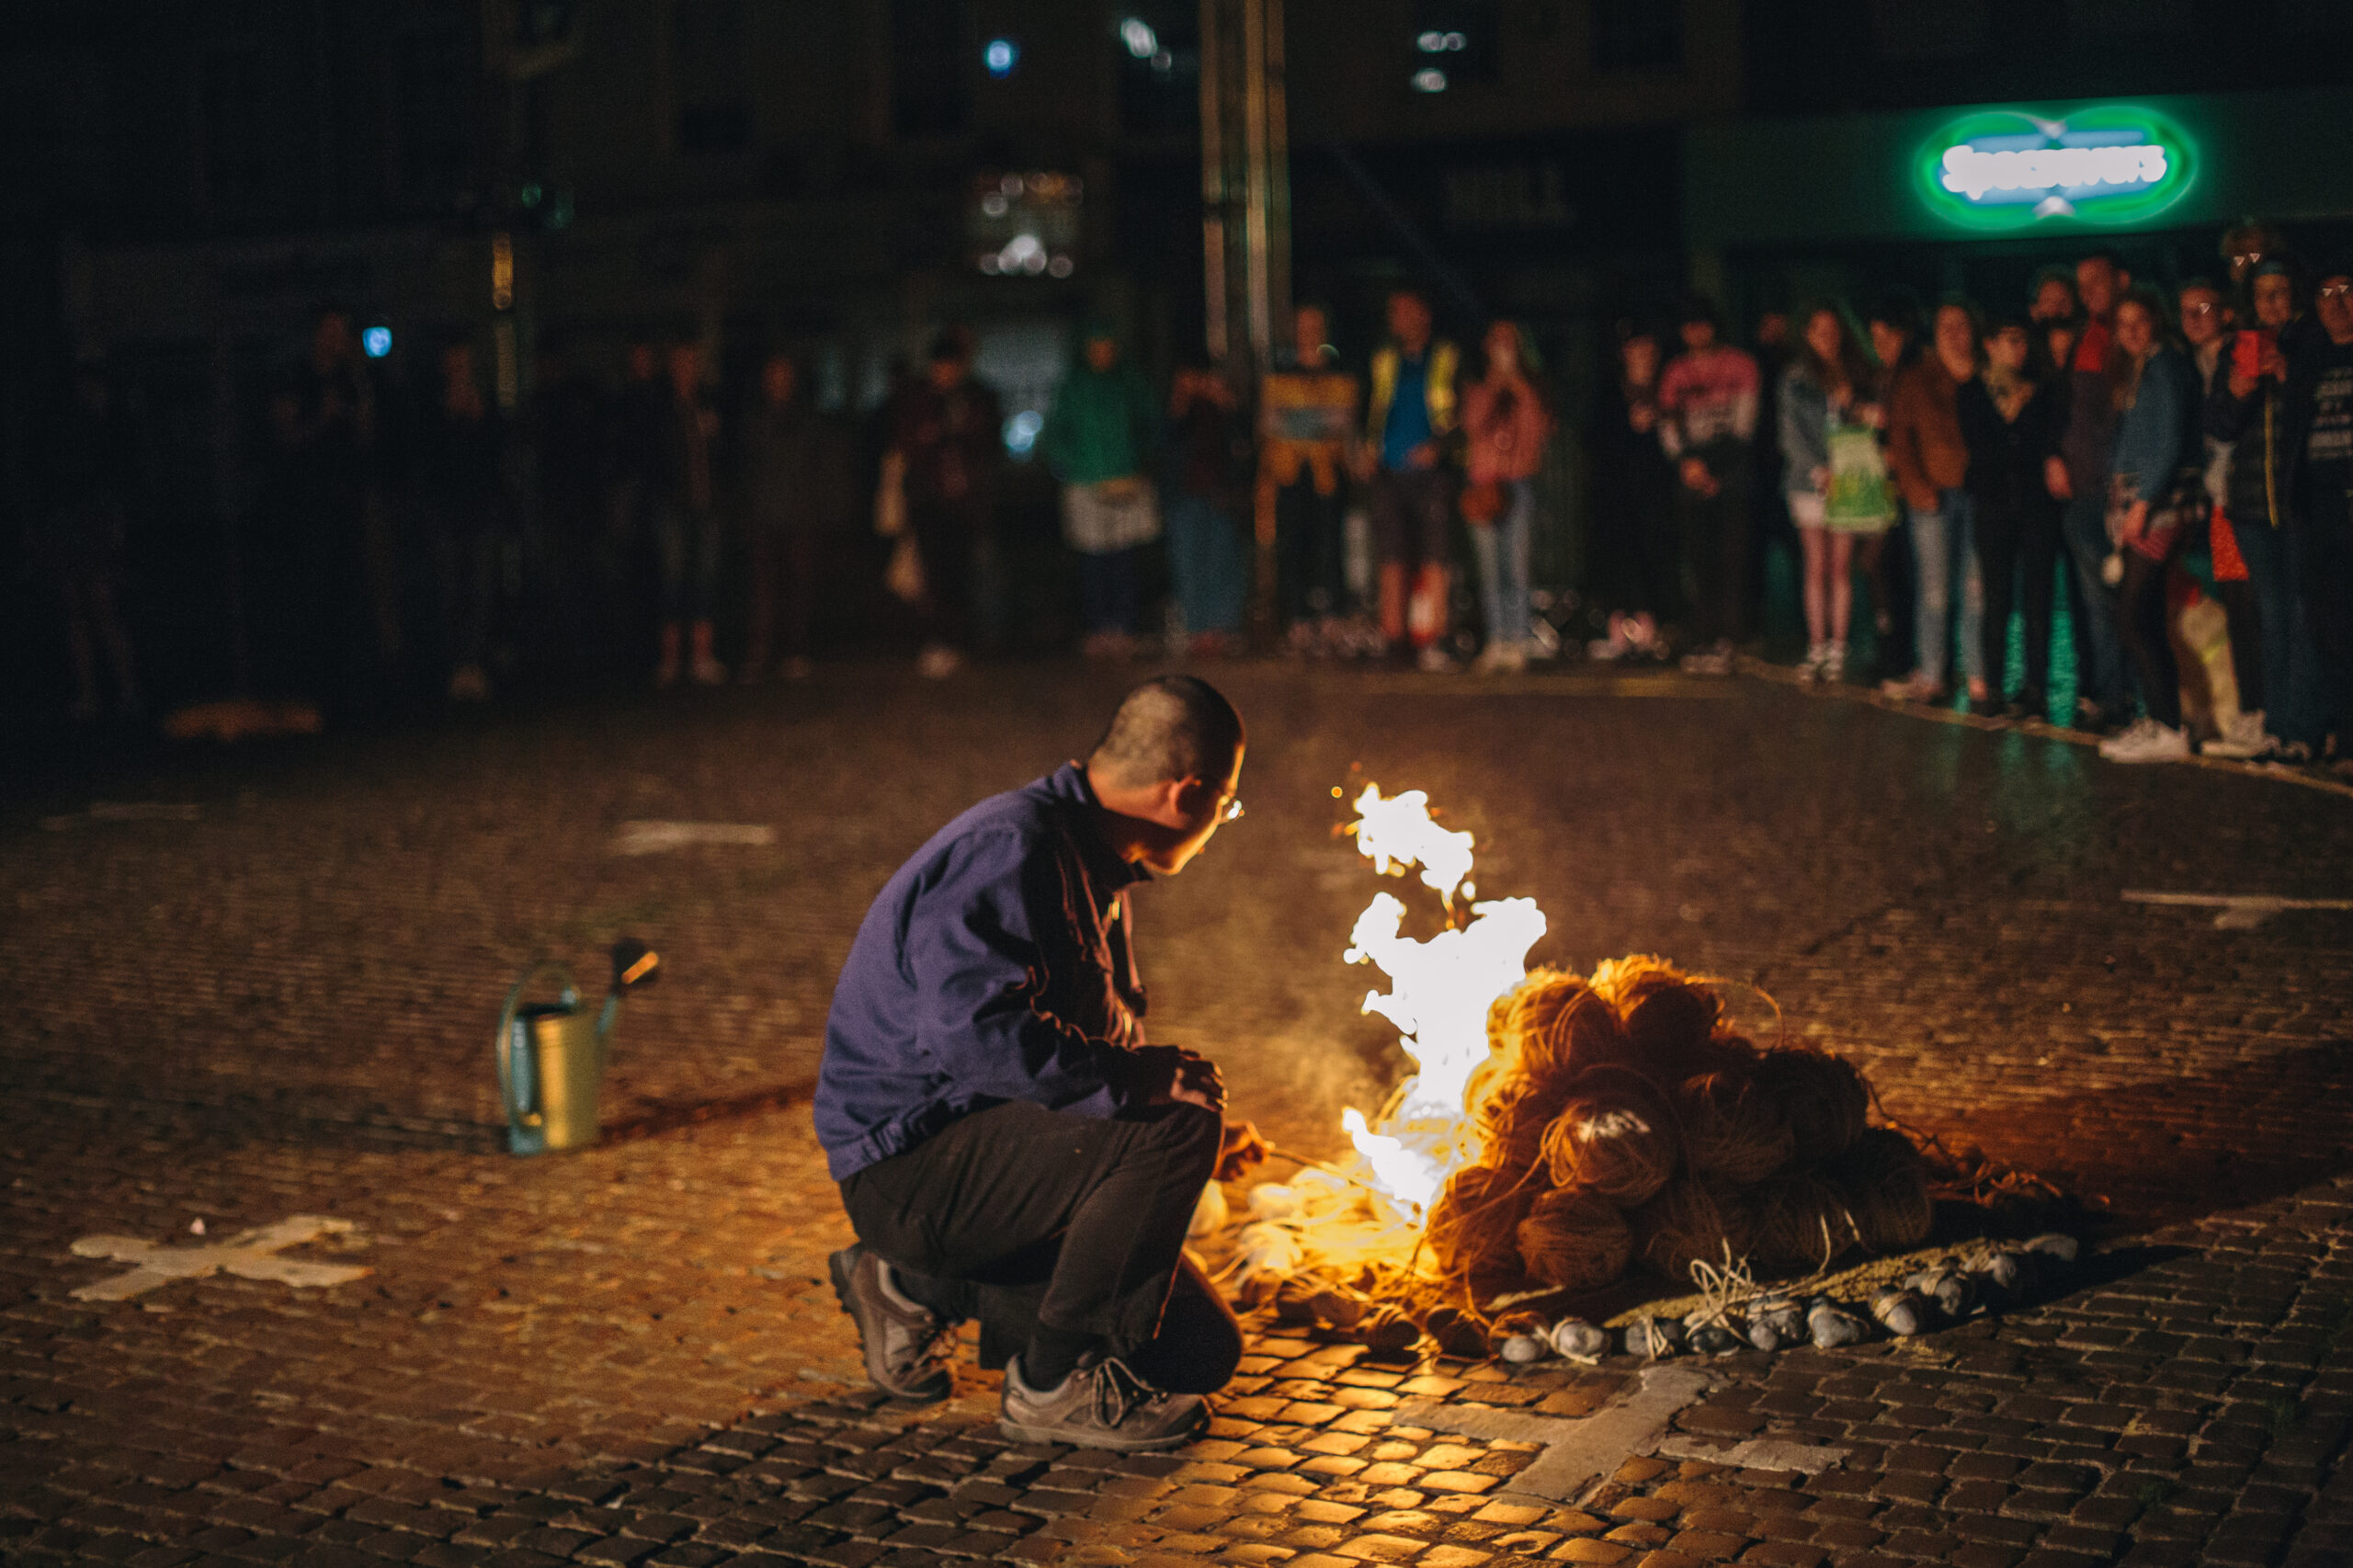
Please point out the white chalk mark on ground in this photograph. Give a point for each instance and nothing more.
(655, 837)
(2239, 911)
(1580, 1450)
(1757, 1453)
(126, 810)
(249, 1255)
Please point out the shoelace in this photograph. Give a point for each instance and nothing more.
(1119, 1391)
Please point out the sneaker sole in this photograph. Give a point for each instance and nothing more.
(844, 1294)
(1092, 1438)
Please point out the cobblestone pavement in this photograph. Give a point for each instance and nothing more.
(279, 1003)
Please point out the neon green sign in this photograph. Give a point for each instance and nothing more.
(2008, 169)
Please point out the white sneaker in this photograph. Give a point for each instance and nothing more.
(1715, 660)
(2242, 738)
(1502, 658)
(1810, 669)
(2147, 741)
(1834, 662)
(1434, 661)
(709, 671)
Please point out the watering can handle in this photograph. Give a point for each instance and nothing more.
(506, 1043)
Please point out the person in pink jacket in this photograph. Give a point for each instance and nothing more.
(1505, 423)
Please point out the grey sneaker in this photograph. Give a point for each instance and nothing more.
(906, 1345)
(1101, 1406)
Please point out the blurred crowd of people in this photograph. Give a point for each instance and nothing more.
(1940, 473)
(2101, 438)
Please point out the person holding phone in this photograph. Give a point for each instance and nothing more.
(2248, 409)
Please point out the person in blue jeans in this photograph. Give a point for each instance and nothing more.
(2087, 453)
(1207, 482)
(1929, 457)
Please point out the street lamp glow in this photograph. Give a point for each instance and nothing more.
(1429, 79)
(1137, 34)
(1000, 55)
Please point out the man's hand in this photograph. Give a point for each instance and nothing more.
(2136, 522)
(1240, 1151)
(1696, 477)
(2055, 480)
(1169, 1075)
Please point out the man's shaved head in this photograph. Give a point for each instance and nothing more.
(1170, 728)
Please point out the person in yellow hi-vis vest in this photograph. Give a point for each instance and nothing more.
(1408, 420)
(1307, 416)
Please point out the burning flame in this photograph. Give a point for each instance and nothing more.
(1438, 996)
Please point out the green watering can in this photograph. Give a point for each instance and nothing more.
(552, 1054)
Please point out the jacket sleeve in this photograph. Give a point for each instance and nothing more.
(1903, 444)
(2224, 417)
(978, 945)
(1802, 448)
(2163, 402)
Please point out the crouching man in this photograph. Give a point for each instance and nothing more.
(1008, 1147)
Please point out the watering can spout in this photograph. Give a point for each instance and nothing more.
(551, 1056)
(634, 964)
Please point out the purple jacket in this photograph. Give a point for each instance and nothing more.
(994, 966)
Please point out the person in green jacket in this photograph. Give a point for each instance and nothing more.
(1099, 440)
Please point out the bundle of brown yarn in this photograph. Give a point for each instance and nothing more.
(1801, 1225)
(1731, 1127)
(1575, 1240)
(1616, 1138)
(1472, 1228)
(1822, 1098)
(1622, 1118)
(1695, 1222)
(1885, 1182)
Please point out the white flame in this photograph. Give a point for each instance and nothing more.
(1441, 990)
(1398, 1171)
(1398, 831)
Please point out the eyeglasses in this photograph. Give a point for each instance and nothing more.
(1230, 811)
(2335, 291)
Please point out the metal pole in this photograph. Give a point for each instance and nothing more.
(1213, 183)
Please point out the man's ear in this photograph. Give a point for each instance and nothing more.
(1187, 798)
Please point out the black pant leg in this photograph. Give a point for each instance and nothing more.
(979, 1200)
(2037, 570)
(2141, 622)
(1998, 533)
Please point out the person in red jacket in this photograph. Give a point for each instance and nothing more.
(1506, 422)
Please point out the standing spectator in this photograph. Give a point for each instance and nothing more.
(2203, 313)
(2156, 487)
(948, 442)
(1837, 482)
(78, 535)
(2324, 391)
(1407, 421)
(1307, 411)
(687, 532)
(796, 483)
(1636, 570)
(325, 420)
(1098, 441)
(1773, 525)
(2086, 446)
(2245, 245)
(458, 477)
(1930, 460)
(636, 459)
(1894, 326)
(1208, 479)
(2053, 298)
(1708, 408)
(1506, 422)
(569, 461)
(2009, 424)
(2253, 535)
